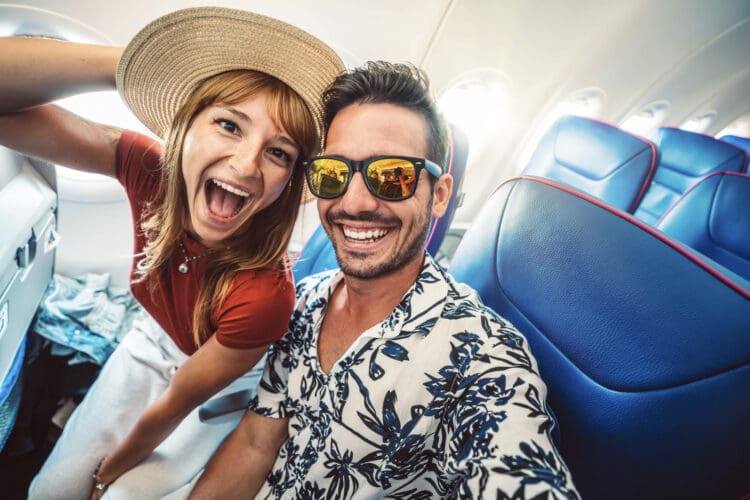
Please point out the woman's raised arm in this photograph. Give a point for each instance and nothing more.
(39, 71)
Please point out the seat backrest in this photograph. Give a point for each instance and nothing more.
(741, 142)
(318, 254)
(643, 344)
(684, 158)
(596, 158)
(713, 217)
(457, 155)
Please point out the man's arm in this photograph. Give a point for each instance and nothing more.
(514, 456)
(240, 465)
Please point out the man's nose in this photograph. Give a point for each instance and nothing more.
(357, 197)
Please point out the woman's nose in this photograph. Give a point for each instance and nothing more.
(246, 160)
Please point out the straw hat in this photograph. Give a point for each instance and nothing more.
(169, 57)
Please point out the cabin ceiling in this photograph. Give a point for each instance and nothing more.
(692, 55)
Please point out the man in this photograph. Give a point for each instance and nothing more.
(393, 381)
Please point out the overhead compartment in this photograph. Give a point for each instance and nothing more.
(28, 204)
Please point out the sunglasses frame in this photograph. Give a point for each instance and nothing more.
(361, 167)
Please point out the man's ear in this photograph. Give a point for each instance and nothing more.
(441, 195)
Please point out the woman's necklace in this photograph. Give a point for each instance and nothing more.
(183, 267)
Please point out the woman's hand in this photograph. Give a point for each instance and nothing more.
(96, 493)
(100, 486)
(207, 371)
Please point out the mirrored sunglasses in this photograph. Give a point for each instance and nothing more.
(390, 178)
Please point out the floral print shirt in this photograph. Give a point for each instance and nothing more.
(441, 399)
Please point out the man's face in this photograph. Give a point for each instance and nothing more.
(373, 237)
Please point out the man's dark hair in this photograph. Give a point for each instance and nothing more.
(390, 83)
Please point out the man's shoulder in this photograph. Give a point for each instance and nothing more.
(463, 305)
(315, 285)
(462, 295)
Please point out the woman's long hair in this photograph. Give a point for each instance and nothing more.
(262, 242)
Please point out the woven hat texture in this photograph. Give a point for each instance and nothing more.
(170, 56)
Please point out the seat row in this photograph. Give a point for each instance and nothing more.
(622, 263)
(635, 299)
(690, 186)
(644, 344)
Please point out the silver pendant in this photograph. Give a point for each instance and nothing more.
(183, 268)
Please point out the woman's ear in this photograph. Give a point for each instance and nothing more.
(441, 195)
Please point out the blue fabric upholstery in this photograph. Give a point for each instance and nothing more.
(11, 387)
(713, 217)
(596, 158)
(458, 153)
(318, 254)
(685, 157)
(740, 142)
(644, 347)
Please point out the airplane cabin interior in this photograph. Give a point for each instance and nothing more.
(601, 203)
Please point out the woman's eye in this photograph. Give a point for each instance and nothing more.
(228, 125)
(281, 155)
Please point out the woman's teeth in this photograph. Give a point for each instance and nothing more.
(231, 189)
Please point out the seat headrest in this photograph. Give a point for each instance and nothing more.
(458, 153)
(596, 158)
(713, 217)
(696, 155)
(685, 157)
(741, 142)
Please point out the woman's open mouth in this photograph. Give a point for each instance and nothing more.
(224, 200)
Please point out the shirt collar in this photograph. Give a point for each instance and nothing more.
(420, 307)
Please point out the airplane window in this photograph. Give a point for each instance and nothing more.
(699, 123)
(647, 121)
(103, 107)
(479, 105)
(739, 127)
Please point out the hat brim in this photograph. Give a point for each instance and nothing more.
(170, 56)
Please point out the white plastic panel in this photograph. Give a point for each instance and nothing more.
(95, 226)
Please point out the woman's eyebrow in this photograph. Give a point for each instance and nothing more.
(236, 112)
(290, 142)
(242, 116)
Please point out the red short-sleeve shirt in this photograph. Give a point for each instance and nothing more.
(257, 309)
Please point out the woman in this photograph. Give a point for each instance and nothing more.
(236, 98)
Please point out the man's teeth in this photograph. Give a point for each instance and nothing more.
(369, 235)
(231, 189)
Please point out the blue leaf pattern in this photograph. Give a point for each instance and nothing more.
(421, 406)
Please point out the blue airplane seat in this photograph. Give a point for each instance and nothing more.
(685, 158)
(318, 254)
(740, 142)
(596, 158)
(643, 343)
(713, 217)
(457, 155)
